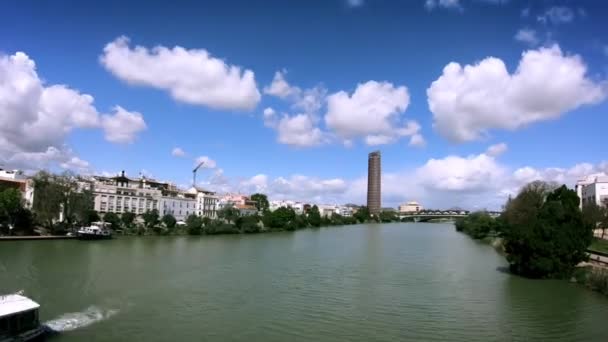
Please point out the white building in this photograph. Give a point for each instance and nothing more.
(121, 194)
(593, 190)
(410, 207)
(179, 204)
(207, 202)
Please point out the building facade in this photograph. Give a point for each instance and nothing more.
(17, 180)
(207, 203)
(410, 207)
(374, 178)
(593, 190)
(179, 205)
(122, 194)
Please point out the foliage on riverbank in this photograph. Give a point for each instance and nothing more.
(478, 225)
(542, 231)
(229, 221)
(595, 278)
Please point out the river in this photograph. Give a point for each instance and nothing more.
(391, 282)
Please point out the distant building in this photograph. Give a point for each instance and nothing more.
(207, 202)
(410, 207)
(121, 194)
(178, 204)
(374, 178)
(593, 190)
(17, 180)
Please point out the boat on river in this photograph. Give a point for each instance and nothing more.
(19, 319)
(96, 231)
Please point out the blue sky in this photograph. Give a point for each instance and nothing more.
(357, 77)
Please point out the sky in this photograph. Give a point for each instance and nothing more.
(467, 100)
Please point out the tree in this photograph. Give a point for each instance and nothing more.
(314, 217)
(10, 204)
(387, 216)
(549, 237)
(194, 225)
(362, 215)
(281, 217)
(151, 218)
(127, 219)
(337, 219)
(261, 201)
(248, 224)
(49, 198)
(478, 225)
(91, 216)
(592, 214)
(112, 219)
(228, 213)
(169, 221)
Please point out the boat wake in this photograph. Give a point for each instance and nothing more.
(75, 320)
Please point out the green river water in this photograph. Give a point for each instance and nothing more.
(391, 282)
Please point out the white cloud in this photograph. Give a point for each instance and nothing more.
(36, 118)
(270, 118)
(557, 15)
(208, 163)
(178, 152)
(468, 101)
(371, 112)
(299, 130)
(76, 164)
(451, 4)
(527, 36)
(122, 126)
(417, 140)
(455, 173)
(280, 87)
(191, 76)
(496, 150)
(354, 3)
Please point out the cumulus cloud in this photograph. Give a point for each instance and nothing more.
(450, 4)
(178, 152)
(496, 150)
(189, 75)
(208, 163)
(122, 126)
(557, 15)
(417, 140)
(468, 101)
(372, 112)
(76, 164)
(270, 118)
(36, 118)
(527, 36)
(299, 130)
(354, 3)
(280, 87)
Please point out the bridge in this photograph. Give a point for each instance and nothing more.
(427, 215)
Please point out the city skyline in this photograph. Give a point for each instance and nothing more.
(292, 112)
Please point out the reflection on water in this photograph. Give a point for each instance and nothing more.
(394, 282)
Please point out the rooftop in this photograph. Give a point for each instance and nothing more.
(14, 303)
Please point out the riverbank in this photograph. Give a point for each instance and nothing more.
(36, 237)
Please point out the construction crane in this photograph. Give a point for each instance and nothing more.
(194, 173)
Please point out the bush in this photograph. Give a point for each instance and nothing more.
(597, 280)
(478, 225)
(545, 235)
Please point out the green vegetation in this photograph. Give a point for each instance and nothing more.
(14, 217)
(479, 225)
(261, 201)
(544, 233)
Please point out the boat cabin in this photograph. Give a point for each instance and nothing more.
(19, 318)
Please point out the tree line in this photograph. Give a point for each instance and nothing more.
(63, 203)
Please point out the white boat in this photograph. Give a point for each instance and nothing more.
(19, 319)
(96, 231)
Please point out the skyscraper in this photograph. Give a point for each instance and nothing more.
(374, 175)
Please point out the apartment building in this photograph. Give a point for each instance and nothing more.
(122, 194)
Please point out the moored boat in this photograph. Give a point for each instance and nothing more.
(19, 319)
(96, 231)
